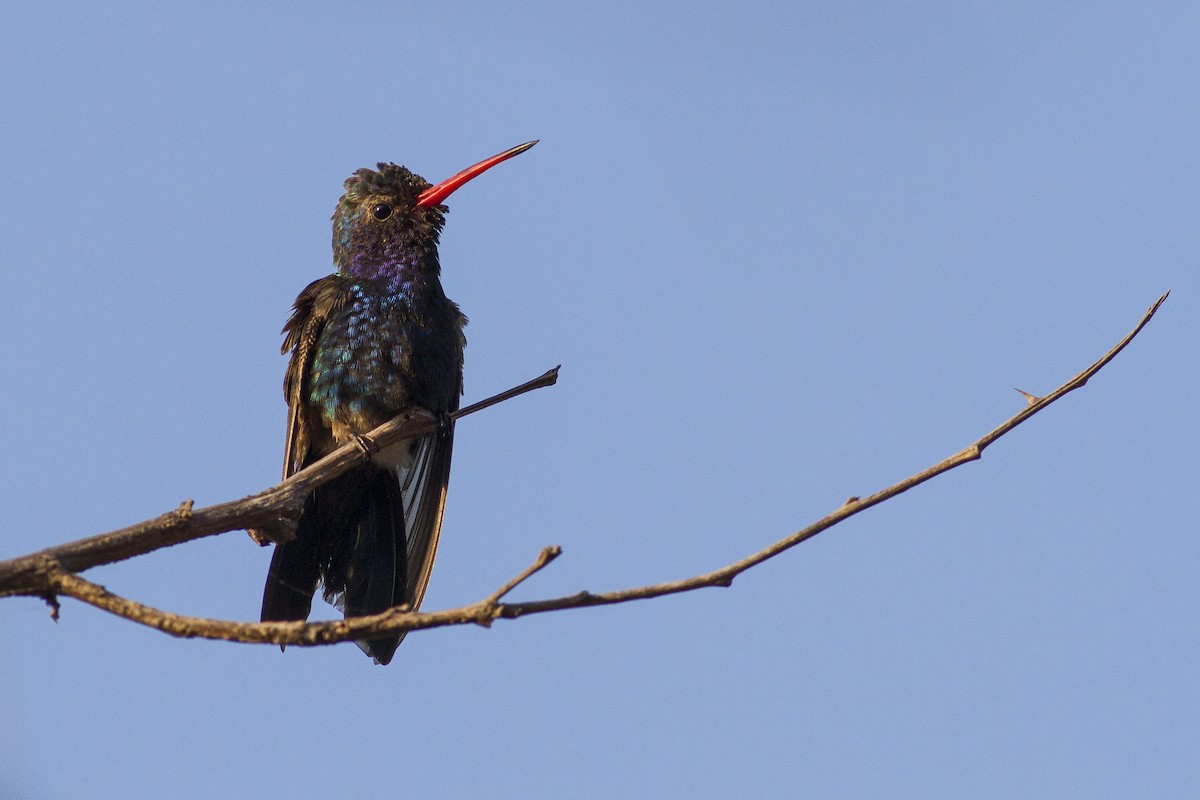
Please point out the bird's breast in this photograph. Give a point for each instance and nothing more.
(382, 355)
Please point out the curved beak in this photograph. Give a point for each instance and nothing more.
(434, 195)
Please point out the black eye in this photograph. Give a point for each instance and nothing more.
(381, 211)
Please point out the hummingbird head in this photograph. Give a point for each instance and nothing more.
(390, 218)
(378, 221)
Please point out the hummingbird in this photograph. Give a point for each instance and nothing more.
(375, 339)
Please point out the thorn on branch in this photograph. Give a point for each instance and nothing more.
(851, 500)
(1030, 399)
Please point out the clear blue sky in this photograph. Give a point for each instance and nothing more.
(786, 253)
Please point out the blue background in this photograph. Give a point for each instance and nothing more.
(786, 253)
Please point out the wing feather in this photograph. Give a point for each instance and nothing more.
(423, 488)
(295, 565)
(319, 300)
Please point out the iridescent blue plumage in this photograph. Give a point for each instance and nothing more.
(374, 340)
(377, 337)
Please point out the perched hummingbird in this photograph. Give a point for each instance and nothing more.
(375, 339)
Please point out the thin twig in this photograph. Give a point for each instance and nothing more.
(547, 555)
(725, 575)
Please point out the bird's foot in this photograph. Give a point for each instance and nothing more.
(445, 424)
(366, 444)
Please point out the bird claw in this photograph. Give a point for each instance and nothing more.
(366, 444)
(445, 424)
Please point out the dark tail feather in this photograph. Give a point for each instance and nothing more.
(351, 537)
(375, 576)
(295, 569)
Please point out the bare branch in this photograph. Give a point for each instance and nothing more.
(48, 574)
(274, 509)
